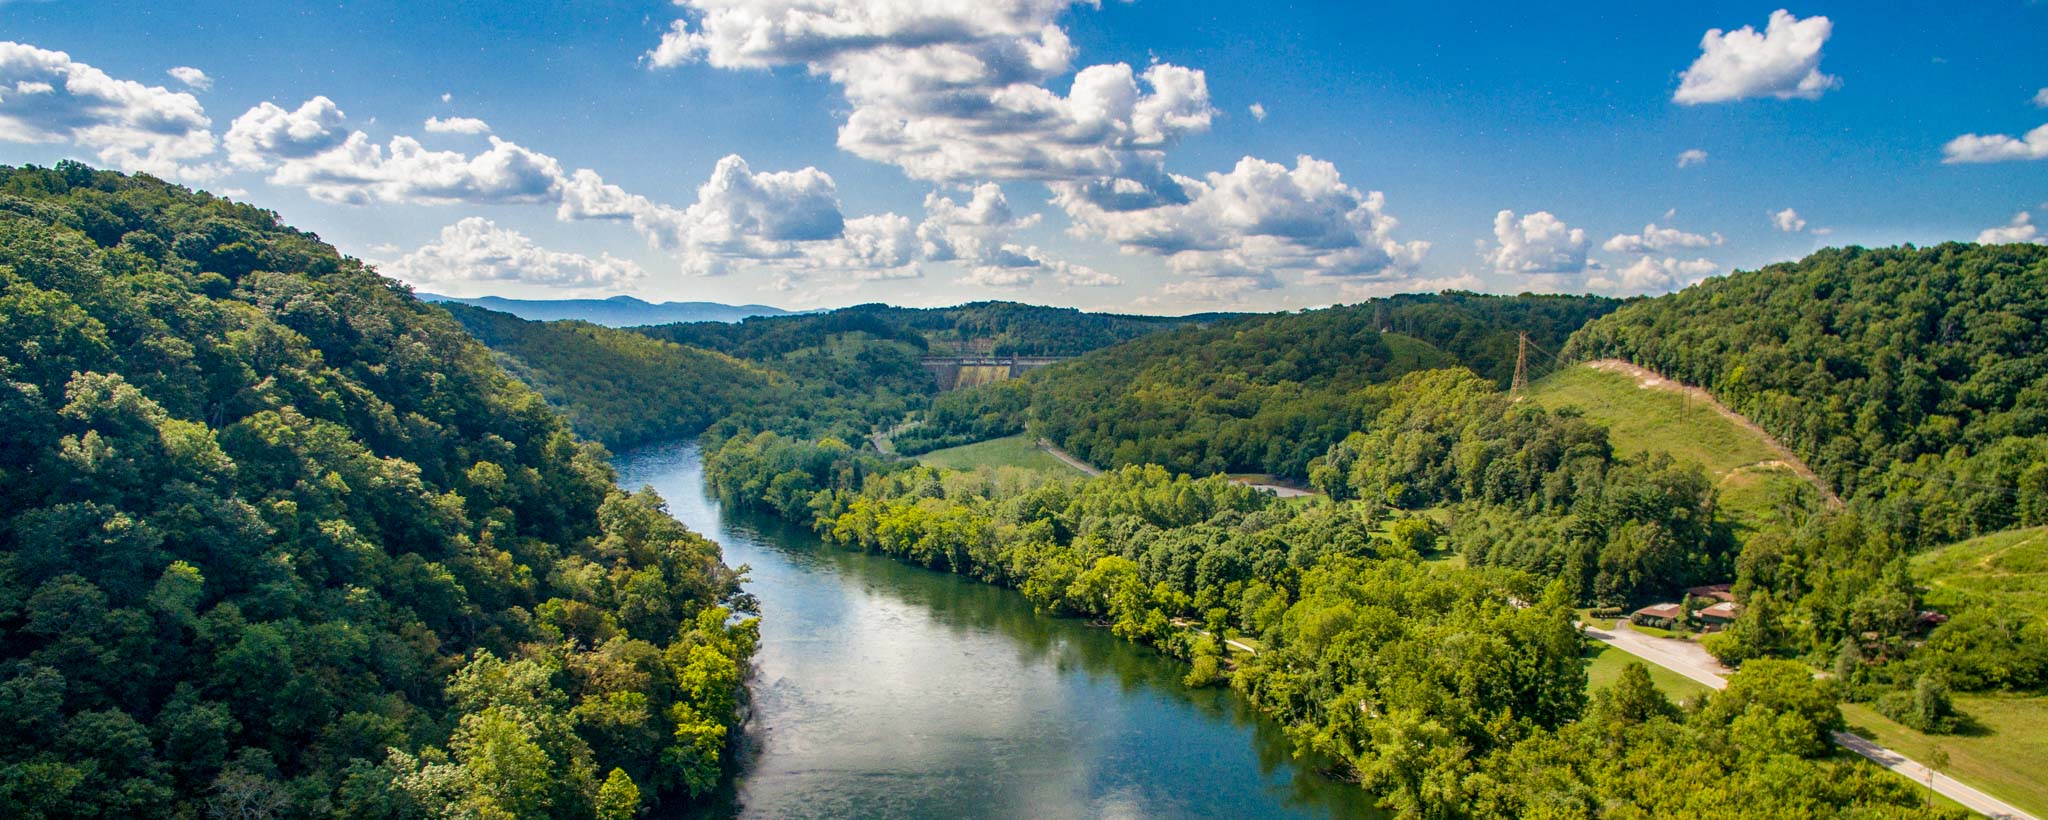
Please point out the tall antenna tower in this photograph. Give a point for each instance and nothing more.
(1521, 382)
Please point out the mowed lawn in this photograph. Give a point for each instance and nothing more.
(1604, 664)
(1014, 451)
(1754, 489)
(2008, 758)
(2007, 569)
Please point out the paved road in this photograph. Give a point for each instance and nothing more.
(1688, 659)
(1069, 458)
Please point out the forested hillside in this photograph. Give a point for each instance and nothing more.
(1000, 328)
(1913, 379)
(280, 540)
(619, 388)
(1258, 394)
(1916, 381)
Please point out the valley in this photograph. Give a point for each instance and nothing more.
(1332, 559)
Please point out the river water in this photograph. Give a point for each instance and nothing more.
(882, 689)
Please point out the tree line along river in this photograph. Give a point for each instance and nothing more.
(883, 689)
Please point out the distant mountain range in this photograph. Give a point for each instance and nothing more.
(618, 311)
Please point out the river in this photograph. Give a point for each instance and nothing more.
(883, 689)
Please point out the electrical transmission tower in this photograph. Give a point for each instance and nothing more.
(1521, 383)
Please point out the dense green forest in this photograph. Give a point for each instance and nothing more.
(1449, 692)
(1262, 394)
(1531, 489)
(619, 388)
(280, 540)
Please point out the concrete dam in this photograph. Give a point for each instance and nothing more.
(954, 372)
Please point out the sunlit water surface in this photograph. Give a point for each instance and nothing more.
(883, 689)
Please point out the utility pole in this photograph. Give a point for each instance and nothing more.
(1521, 382)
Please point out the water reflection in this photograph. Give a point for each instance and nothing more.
(882, 689)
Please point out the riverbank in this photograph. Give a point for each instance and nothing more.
(882, 688)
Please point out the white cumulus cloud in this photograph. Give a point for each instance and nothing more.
(192, 78)
(1691, 157)
(359, 172)
(2041, 98)
(1258, 111)
(1259, 218)
(1535, 244)
(457, 125)
(955, 90)
(1789, 221)
(976, 232)
(2020, 229)
(1782, 61)
(266, 134)
(1654, 239)
(1650, 274)
(1997, 147)
(476, 252)
(47, 97)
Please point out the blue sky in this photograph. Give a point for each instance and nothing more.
(1494, 147)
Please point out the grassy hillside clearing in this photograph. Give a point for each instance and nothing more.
(2007, 569)
(1760, 483)
(2005, 758)
(1010, 451)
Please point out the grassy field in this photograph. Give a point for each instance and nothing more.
(1604, 664)
(2007, 569)
(1755, 491)
(1014, 451)
(2009, 759)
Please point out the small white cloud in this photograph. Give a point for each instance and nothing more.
(2041, 98)
(1259, 109)
(265, 134)
(1782, 62)
(1997, 147)
(2020, 229)
(1691, 157)
(1538, 243)
(445, 97)
(1652, 275)
(1656, 239)
(457, 125)
(991, 277)
(475, 251)
(192, 78)
(359, 172)
(1789, 221)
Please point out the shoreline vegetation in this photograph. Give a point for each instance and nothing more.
(1319, 593)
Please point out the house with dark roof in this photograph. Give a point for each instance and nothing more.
(1724, 593)
(1658, 616)
(1719, 615)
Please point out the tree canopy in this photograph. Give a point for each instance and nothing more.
(280, 540)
